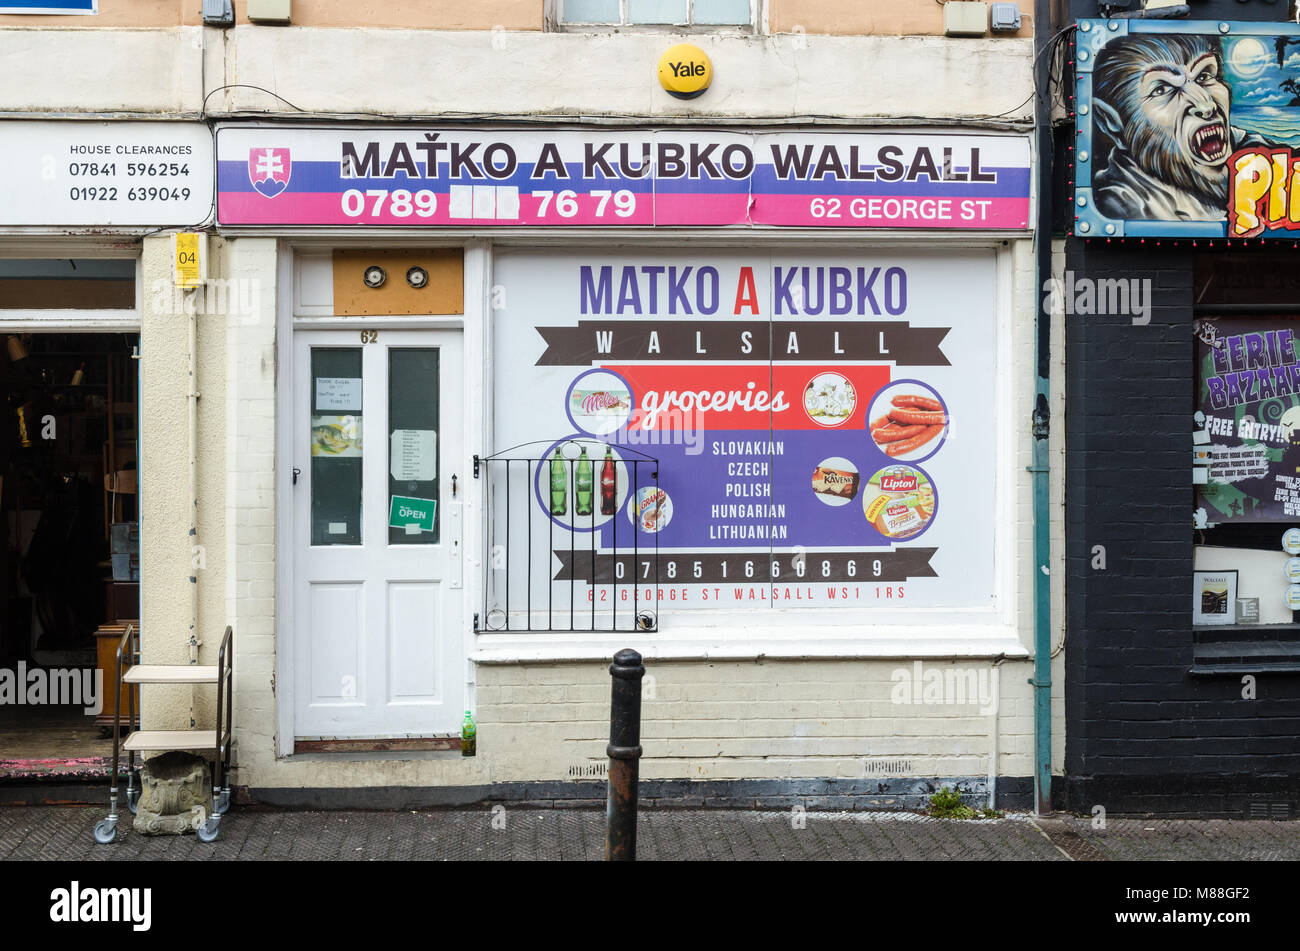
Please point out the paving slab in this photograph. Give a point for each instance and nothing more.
(524, 833)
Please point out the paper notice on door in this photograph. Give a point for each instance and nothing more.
(413, 455)
(339, 393)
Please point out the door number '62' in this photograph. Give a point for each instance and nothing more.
(369, 336)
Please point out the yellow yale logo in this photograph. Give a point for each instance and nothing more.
(685, 71)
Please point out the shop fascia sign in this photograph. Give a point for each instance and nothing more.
(106, 174)
(271, 175)
(1187, 129)
(45, 7)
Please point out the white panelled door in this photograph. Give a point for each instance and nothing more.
(377, 441)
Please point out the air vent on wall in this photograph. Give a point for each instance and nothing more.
(1268, 810)
(588, 771)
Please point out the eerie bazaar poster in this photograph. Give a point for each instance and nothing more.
(783, 430)
(1248, 406)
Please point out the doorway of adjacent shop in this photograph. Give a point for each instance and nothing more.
(69, 514)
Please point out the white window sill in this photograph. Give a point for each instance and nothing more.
(736, 643)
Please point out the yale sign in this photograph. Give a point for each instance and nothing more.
(685, 71)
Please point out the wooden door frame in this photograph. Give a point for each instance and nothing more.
(476, 412)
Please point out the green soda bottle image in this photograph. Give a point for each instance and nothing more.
(582, 484)
(468, 735)
(559, 485)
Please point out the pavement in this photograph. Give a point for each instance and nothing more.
(506, 833)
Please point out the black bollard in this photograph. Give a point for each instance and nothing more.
(624, 752)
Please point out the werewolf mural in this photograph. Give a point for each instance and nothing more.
(1162, 102)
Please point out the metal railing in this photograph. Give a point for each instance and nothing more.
(532, 500)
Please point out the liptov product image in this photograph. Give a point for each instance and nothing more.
(899, 501)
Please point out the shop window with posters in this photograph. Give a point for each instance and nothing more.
(1246, 474)
(823, 424)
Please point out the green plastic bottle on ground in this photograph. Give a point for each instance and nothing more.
(468, 735)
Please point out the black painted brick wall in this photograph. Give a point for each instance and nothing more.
(1142, 735)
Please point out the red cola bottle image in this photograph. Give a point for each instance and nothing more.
(608, 485)
(559, 485)
(582, 485)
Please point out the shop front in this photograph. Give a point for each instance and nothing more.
(744, 402)
(1183, 656)
(77, 196)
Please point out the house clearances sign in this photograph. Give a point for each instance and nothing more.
(782, 430)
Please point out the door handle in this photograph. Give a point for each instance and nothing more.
(296, 472)
(453, 487)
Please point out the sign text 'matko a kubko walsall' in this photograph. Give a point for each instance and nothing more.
(449, 177)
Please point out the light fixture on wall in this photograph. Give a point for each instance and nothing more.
(417, 277)
(374, 276)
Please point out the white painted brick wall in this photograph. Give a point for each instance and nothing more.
(776, 719)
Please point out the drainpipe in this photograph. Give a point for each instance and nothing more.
(996, 696)
(1041, 416)
(193, 382)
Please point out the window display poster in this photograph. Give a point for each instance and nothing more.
(1249, 406)
(785, 430)
(1215, 597)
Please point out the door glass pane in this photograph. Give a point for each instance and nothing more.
(414, 516)
(336, 446)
